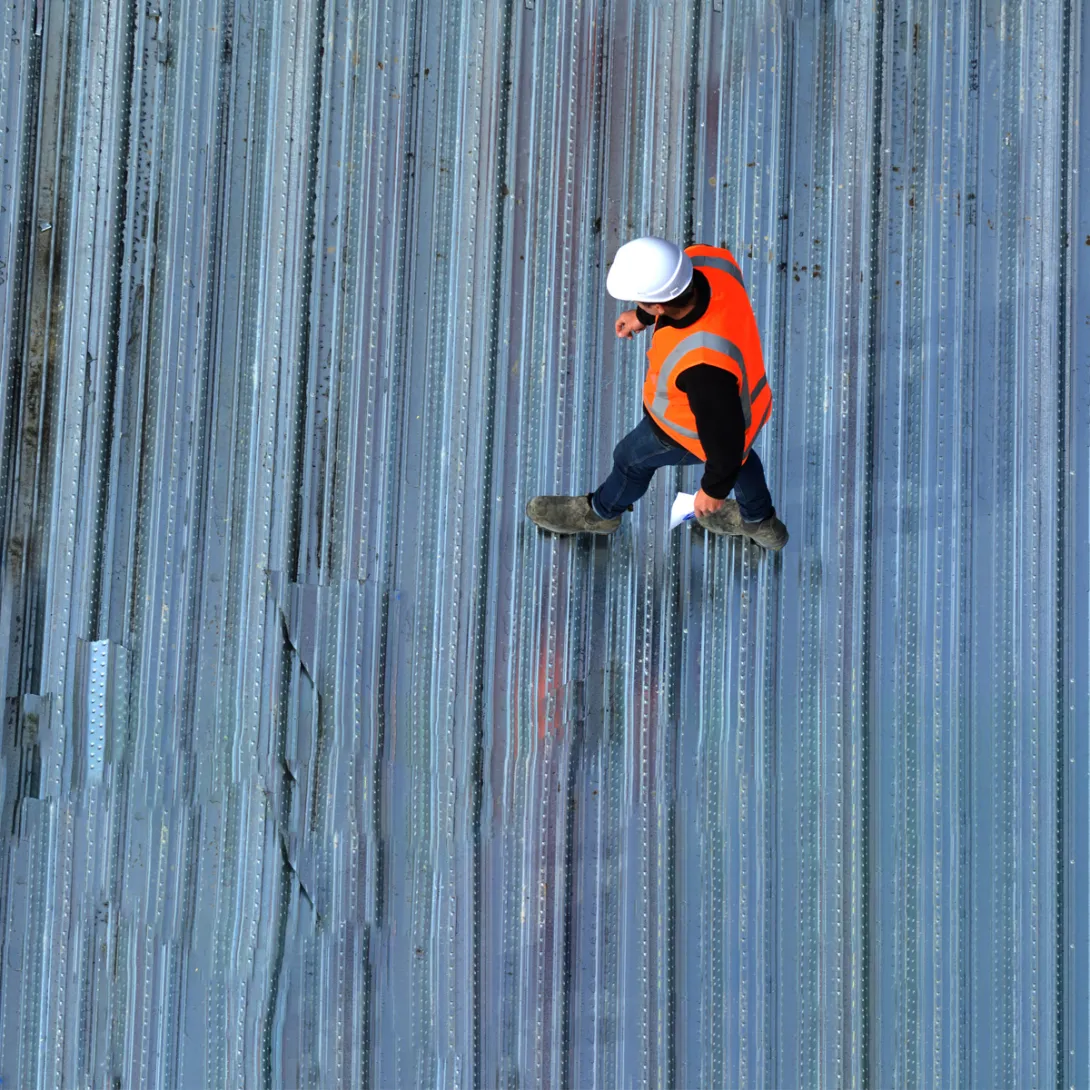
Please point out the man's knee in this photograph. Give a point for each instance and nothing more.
(632, 471)
(623, 456)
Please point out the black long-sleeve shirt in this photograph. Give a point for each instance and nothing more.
(715, 402)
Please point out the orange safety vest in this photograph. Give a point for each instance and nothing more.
(726, 336)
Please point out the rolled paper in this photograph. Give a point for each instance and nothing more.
(682, 509)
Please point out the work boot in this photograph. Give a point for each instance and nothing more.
(569, 515)
(770, 534)
(727, 520)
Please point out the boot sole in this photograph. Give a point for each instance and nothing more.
(742, 534)
(567, 530)
(767, 548)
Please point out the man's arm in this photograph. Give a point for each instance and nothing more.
(720, 423)
(633, 321)
(628, 323)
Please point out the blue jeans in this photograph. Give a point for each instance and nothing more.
(643, 450)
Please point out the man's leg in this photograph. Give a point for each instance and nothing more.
(635, 459)
(752, 514)
(751, 490)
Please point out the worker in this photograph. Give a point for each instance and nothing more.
(705, 397)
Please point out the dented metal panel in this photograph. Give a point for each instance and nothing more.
(322, 766)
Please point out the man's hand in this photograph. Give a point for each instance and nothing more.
(627, 324)
(704, 504)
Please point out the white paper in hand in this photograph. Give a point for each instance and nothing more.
(682, 510)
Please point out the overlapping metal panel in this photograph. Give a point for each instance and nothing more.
(322, 766)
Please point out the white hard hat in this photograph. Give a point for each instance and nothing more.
(649, 270)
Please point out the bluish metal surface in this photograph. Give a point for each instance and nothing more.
(322, 766)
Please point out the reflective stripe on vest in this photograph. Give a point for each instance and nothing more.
(720, 263)
(764, 415)
(702, 339)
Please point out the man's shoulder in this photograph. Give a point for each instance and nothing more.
(701, 249)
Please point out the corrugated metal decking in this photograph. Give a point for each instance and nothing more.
(321, 766)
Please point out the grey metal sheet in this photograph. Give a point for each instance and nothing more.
(322, 766)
